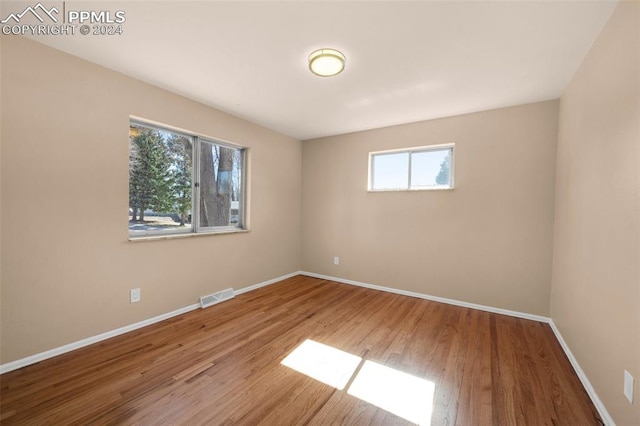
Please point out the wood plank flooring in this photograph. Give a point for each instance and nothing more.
(221, 365)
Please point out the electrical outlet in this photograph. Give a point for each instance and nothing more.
(336, 260)
(135, 295)
(628, 386)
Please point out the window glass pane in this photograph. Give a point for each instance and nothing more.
(220, 185)
(430, 168)
(160, 180)
(390, 171)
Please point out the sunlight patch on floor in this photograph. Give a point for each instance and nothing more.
(399, 393)
(324, 363)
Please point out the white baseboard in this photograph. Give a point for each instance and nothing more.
(606, 417)
(14, 365)
(433, 298)
(265, 283)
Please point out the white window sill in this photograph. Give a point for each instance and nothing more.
(187, 235)
(411, 190)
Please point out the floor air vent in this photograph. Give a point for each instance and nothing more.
(212, 299)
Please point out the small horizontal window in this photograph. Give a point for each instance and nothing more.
(411, 169)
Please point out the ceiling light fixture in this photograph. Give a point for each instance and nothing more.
(326, 62)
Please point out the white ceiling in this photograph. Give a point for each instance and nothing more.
(406, 61)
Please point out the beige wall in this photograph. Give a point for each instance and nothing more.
(488, 241)
(67, 266)
(1, 125)
(596, 278)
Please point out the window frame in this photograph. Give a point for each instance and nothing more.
(196, 229)
(410, 152)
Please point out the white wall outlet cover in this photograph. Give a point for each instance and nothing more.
(135, 295)
(336, 260)
(628, 386)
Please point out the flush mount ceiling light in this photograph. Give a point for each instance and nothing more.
(326, 62)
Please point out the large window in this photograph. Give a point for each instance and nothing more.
(411, 169)
(181, 183)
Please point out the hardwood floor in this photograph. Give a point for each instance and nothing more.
(221, 365)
